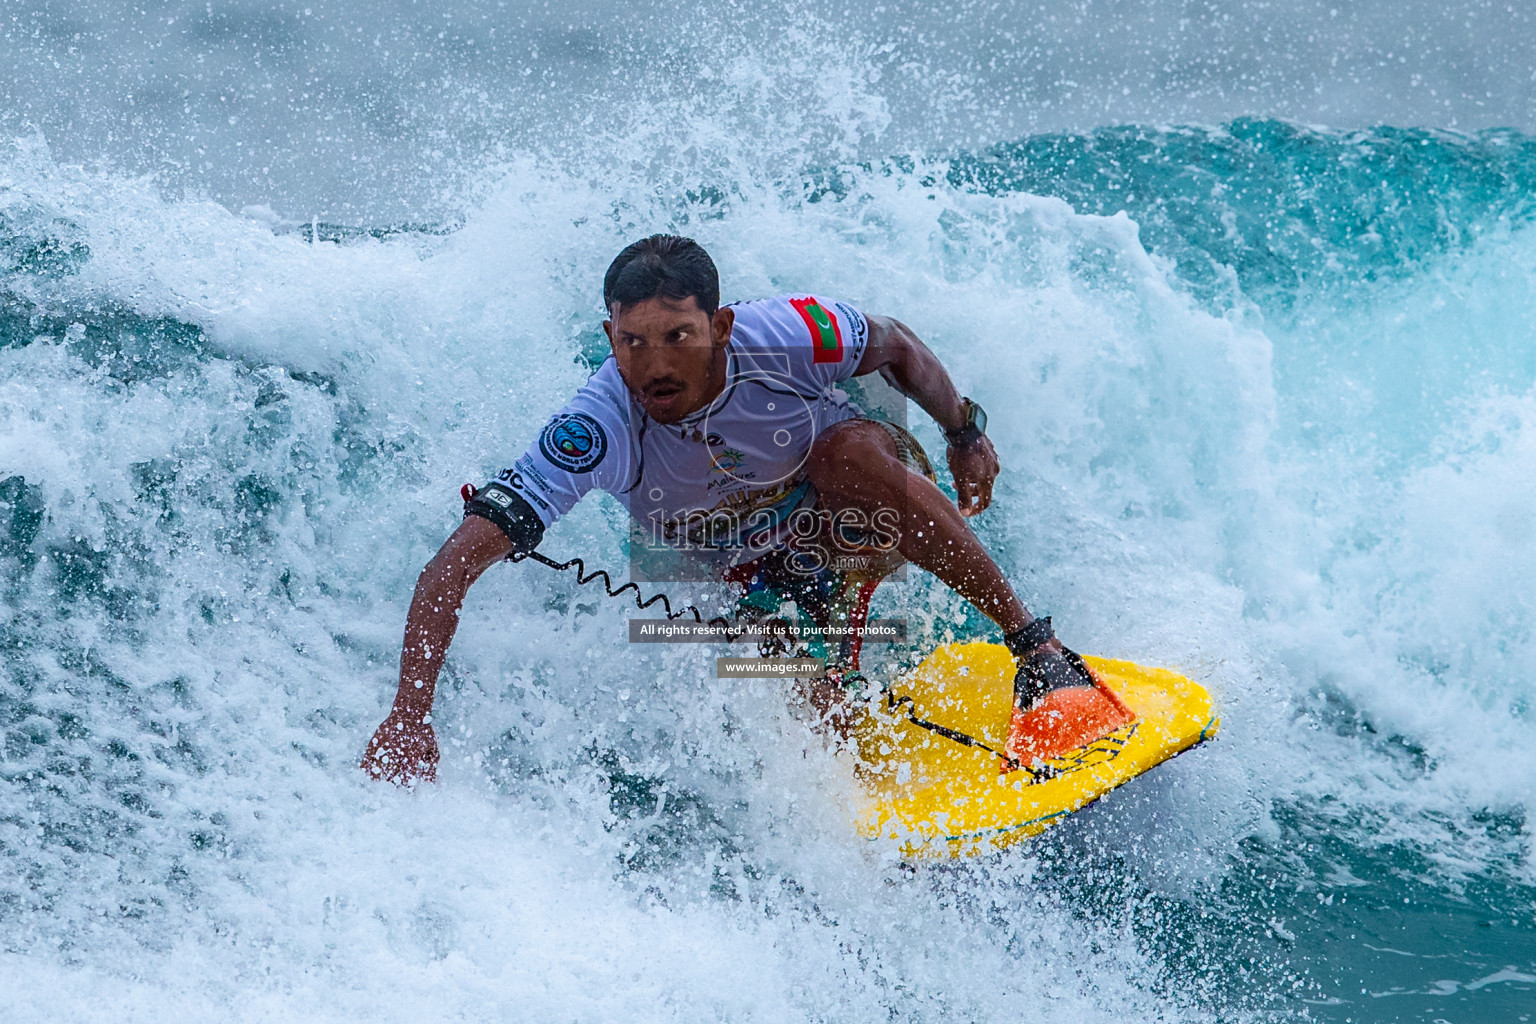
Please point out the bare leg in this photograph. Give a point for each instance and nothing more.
(854, 465)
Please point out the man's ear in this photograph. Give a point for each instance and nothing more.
(720, 326)
(608, 330)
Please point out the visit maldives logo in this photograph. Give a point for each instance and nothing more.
(826, 336)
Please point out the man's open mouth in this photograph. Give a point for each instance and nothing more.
(665, 394)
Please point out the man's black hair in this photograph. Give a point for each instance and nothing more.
(670, 266)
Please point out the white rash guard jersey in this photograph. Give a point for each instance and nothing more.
(722, 481)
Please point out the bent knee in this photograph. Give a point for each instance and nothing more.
(847, 450)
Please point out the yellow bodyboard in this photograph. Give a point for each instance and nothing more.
(941, 796)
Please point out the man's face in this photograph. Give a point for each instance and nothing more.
(671, 354)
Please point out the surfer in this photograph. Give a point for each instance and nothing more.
(723, 432)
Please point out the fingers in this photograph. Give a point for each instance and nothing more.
(979, 471)
(973, 477)
(965, 494)
(965, 490)
(403, 761)
(984, 493)
(400, 771)
(984, 484)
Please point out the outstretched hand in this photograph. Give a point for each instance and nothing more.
(974, 466)
(403, 750)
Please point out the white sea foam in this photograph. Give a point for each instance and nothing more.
(233, 525)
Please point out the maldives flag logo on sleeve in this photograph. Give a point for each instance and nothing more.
(826, 335)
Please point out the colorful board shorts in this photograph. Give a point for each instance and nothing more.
(832, 600)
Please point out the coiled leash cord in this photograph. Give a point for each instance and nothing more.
(501, 505)
(896, 705)
(641, 601)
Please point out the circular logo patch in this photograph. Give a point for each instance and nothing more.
(575, 442)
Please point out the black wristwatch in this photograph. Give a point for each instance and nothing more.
(974, 427)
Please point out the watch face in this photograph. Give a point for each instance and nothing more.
(979, 417)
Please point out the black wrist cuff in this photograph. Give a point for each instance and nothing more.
(511, 514)
(966, 435)
(1025, 639)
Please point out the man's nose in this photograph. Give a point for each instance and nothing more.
(658, 363)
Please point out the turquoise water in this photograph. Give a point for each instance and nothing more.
(1266, 400)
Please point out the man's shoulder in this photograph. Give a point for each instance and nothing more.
(602, 407)
(606, 390)
(799, 313)
(828, 330)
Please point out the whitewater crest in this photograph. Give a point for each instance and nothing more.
(227, 445)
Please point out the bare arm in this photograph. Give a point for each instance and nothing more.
(911, 367)
(404, 747)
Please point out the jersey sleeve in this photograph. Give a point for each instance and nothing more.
(582, 447)
(820, 339)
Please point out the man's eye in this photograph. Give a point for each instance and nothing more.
(678, 337)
